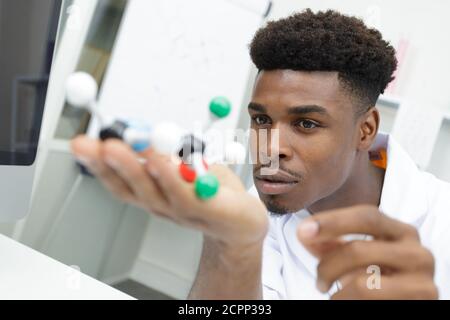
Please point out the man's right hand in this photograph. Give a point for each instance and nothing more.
(232, 219)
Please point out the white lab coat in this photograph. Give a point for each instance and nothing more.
(409, 195)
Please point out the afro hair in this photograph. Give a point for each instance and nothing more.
(328, 41)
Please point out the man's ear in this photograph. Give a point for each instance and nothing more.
(368, 127)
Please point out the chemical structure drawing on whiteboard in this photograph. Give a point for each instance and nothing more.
(166, 138)
(186, 50)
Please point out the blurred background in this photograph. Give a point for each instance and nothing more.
(74, 220)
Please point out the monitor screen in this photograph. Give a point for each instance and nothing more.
(28, 31)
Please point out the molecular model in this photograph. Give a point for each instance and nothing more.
(166, 138)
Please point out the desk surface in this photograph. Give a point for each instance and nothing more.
(28, 274)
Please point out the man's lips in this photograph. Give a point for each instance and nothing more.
(278, 183)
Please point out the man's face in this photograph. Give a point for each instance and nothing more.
(318, 135)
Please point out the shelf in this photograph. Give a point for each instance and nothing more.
(59, 145)
(389, 101)
(394, 102)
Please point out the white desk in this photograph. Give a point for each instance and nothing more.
(28, 274)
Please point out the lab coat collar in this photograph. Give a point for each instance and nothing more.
(403, 196)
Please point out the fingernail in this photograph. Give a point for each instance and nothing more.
(308, 229)
(153, 173)
(113, 163)
(321, 286)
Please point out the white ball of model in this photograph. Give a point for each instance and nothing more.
(81, 90)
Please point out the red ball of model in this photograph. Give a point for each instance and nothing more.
(188, 173)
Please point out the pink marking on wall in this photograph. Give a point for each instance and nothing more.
(401, 51)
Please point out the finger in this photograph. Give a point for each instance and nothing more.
(88, 151)
(227, 177)
(186, 209)
(319, 249)
(181, 195)
(124, 162)
(85, 149)
(355, 255)
(361, 219)
(166, 175)
(348, 277)
(394, 287)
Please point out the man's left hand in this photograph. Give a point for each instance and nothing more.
(406, 268)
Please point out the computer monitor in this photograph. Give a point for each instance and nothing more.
(28, 31)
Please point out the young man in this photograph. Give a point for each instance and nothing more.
(319, 78)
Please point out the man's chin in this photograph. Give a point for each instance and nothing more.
(277, 208)
(281, 204)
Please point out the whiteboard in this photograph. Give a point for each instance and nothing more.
(172, 57)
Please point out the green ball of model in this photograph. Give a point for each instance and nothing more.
(206, 186)
(220, 107)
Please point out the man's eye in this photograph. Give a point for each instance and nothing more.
(307, 124)
(260, 120)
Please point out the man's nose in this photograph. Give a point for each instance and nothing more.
(279, 143)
